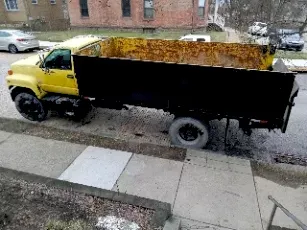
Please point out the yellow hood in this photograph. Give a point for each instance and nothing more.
(30, 61)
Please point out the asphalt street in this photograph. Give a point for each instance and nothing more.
(147, 125)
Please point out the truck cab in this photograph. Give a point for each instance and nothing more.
(48, 73)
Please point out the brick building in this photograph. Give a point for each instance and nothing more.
(38, 14)
(138, 14)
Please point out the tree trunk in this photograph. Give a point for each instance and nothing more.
(303, 26)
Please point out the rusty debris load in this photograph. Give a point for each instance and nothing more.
(237, 55)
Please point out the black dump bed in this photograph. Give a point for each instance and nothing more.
(217, 91)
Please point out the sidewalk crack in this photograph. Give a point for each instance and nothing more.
(257, 198)
(115, 186)
(1, 142)
(173, 205)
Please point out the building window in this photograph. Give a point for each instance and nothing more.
(126, 8)
(52, 1)
(148, 9)
(11, 5)
(201, 8)
(34, 1)
(84, 8)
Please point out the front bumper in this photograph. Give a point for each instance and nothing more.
(26, 46)
(293, 46)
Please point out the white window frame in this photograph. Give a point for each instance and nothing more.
(201, 7)
(149, 5)
(53, 2)
(34, 2)
(8, 9)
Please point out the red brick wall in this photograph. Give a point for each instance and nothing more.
(108, 13)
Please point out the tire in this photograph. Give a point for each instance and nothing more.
(13, 49)
(30, 107)
(81, 109)
(189, 133)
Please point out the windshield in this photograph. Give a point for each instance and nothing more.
(20, 33)
(293, 37)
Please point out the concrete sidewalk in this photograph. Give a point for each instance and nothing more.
(206, 191)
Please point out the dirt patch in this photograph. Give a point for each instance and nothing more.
(27, 205)
(38, 130)
(286, 175)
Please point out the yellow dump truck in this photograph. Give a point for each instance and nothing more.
(195, 81)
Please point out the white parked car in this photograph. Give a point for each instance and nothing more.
(258, 28)
(17, 40)
(196, 38)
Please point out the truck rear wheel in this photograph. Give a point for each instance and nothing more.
(189, 132)
(30, 107)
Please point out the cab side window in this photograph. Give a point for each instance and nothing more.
(58, 59)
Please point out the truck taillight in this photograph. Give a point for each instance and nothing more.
(21, 39)
(10, 72)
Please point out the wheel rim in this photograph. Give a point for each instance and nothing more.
(13, 49)
(31, 108)
(189, 132)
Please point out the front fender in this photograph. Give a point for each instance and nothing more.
(25, 81)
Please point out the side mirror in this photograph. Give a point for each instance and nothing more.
(42, 59)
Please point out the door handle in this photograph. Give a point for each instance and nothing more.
(70, 76)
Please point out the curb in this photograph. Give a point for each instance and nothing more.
(48, 132)
(162, 209)
(279, 168)
(285, 174)
(172, 223)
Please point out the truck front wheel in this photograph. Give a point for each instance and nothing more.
(189, 132)
(30, 107)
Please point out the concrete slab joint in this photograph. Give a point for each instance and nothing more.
(4, 136)
(155, 178)
(209, 159)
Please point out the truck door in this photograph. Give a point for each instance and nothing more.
(58, 75)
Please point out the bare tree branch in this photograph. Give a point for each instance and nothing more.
(303, 26)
